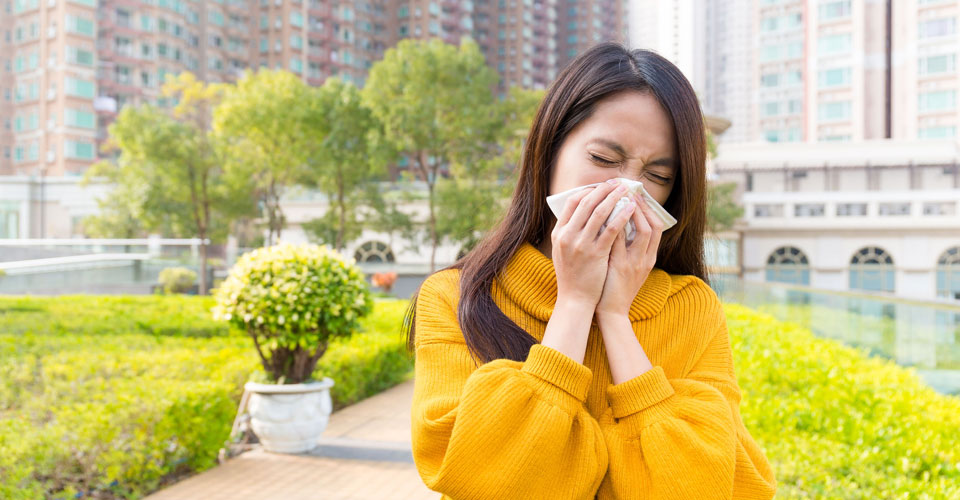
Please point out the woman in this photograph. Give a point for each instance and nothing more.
(555, 361)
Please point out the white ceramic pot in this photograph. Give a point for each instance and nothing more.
(289, 418)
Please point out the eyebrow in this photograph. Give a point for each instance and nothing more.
(663, 162)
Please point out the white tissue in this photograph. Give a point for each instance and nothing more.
(556, 202)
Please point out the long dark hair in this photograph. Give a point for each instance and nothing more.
(602, 70)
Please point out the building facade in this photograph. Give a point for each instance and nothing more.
(68, 66)
(830, 70)
(879, 215)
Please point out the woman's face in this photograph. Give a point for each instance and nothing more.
(628, 135)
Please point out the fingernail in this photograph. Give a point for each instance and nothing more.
(621, 189)
(612, 181)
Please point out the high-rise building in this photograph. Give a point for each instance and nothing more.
(838, 70)
(68, 66)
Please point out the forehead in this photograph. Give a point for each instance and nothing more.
(635, 120)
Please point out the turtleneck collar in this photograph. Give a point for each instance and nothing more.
(530, 280)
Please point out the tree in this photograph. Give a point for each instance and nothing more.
(435, 105)
(262, 126)
(722, 210)
(347, 153)
(168, 173)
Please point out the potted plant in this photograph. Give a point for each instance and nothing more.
(292, 300)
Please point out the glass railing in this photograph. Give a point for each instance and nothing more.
(924, 335)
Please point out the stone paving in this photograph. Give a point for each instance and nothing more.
(363, 454)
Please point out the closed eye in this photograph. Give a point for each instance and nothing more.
(660, 178)
(601, 160)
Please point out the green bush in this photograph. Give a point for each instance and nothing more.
(115, 408)
(293, 300)
(177, 279)
(836, 424)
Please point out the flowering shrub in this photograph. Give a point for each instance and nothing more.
(292, 299)
(177, 279)
(384, 280)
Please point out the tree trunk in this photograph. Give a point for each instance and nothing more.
(202, 289)
(343, 210)
(432, 221)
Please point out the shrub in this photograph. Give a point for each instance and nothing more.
(177, 279)
(837, 424)
(292, 300)
(119, 409)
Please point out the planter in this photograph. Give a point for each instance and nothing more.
(289, 418)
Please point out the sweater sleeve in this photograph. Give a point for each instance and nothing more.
(683, 437)
(506, 429)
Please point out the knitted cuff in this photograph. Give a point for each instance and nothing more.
(558, 369)
(639, 393)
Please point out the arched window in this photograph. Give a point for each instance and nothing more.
(788, 265)
(373, 251)
(948, 274)
(871, 268)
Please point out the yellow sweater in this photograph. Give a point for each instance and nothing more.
(552, 428)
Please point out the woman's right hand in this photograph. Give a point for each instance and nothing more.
(580, 254)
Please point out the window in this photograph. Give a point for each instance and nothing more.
(834, 10)
(940, 100)
(834, 111)
(79, 118)
(932, 65)
(79, 56)
(834, 44)
(894, 208)
(296, 65)
(146, 23)
(938, 133)
(851, 209)
(215, 17)
(937, 27)
(81, 150)
(296, 41)
(80, 88)
(808, 210)
(835, 77)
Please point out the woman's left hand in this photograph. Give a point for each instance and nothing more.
(629, 266)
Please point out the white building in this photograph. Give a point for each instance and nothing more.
(863, 215)
(814, 70)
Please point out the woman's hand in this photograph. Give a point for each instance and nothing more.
(630, 265)
(580, 254)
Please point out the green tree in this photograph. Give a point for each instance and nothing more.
(722, 210)
(347, 153)
(169, 173)
(263, 128)
(435, 104)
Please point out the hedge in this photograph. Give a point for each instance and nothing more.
(837, 424)
(112, 397)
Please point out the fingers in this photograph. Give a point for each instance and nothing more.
(603, 210)
(649, 228)
(571, 205)
(617, 226)
(588, 204)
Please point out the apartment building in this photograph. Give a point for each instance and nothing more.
(829, 70)
(68, 66)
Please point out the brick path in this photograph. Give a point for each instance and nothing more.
(363, 454)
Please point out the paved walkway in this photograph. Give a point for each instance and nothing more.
(363, 454)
